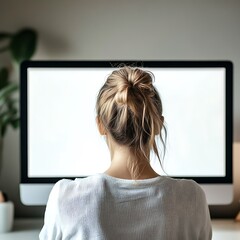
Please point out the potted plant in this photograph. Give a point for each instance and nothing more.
(21, 46)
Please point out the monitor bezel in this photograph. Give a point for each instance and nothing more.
(228, 65)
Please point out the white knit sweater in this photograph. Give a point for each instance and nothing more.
(104, 207)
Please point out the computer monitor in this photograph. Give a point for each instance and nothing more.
(59, 136)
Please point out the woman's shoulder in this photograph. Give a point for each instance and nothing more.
(184, 187)
(78, 185)
(182, 183)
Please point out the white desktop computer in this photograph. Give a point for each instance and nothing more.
(59, 136)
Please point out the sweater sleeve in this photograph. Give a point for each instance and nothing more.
(205, 221)
(51, 228)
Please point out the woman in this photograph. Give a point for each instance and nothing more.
(130, 200)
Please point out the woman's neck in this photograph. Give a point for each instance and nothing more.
(120, 157)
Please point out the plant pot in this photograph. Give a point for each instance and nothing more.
(6, 216)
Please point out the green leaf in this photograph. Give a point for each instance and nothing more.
(23, 44)
(15, 123)
(11, 103)
(3, 77)
(8, 118)
(8, 102)
(7, 114)
(8, 90)
(4, 36)
(3, 131)
(5, 117)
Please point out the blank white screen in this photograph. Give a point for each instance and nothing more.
(63, 140)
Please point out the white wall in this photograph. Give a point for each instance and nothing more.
(137, 29)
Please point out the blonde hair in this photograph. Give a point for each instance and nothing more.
(130, 109)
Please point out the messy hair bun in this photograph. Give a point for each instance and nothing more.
(130, 109)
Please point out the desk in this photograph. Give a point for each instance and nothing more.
(226, 229)
(28, 229)
(24, 229)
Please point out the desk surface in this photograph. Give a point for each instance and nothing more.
(24, 229)
(28, 229)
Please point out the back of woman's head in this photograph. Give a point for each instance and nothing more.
(130, 109)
